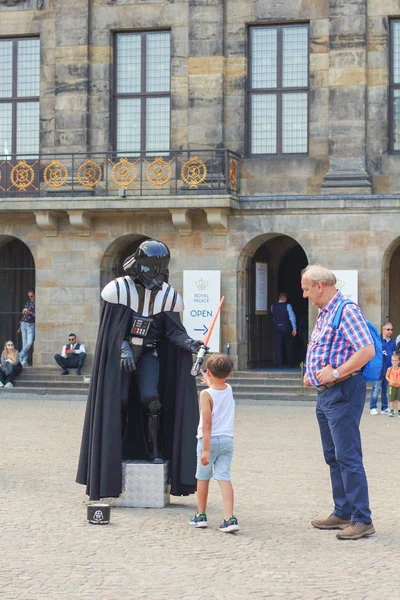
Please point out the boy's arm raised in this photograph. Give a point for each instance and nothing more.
(206, 409)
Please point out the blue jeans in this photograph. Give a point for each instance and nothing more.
(382, 385)
(339, 411)
(28, 335)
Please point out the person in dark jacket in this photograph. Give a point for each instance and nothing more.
(284, 329)
(388, 347)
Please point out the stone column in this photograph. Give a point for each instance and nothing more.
(347, 98)
(206, 73)
(72, 75)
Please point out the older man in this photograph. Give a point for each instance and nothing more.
(382, 385)
(334, 361)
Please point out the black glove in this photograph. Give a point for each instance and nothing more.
(127, 361)
(195, 345)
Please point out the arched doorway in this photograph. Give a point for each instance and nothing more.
(285, 259)
(116, 253)
(393, 311)
(17, 276)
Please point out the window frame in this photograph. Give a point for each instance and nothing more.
(279, 90)
(14, 99)
(392, 86)
(142, 95)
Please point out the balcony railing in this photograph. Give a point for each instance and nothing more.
(111, 174)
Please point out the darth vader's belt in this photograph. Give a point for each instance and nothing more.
(139, 330)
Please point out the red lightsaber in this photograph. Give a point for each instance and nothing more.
(203, 349)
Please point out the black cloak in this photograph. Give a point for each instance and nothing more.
(101, 452)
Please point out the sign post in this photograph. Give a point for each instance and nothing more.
(261, 288)
(201, 296)
(347, 283)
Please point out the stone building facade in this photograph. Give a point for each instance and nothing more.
(241, 78)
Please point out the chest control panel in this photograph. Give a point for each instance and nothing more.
(141, 326)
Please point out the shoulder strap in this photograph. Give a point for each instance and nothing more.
(338, 313)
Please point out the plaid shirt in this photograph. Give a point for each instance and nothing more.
(328, 348)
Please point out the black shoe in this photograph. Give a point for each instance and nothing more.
(230, 525)
(199, 520)
(65, 372)
(156, 458)
(78, 372)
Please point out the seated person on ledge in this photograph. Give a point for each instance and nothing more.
(10, 365)
(72, 356)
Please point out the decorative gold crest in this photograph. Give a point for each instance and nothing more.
(159, 172)
(55, 174)
(233, 175)
(89, 173)
(194, 172)
(22, 176)
(124, 173)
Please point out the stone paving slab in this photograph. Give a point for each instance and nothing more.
(49, 552)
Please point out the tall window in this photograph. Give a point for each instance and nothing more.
(394, 95)
(142, 92)
(19, 96)
(278, 90)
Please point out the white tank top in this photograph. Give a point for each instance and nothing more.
(223, 413)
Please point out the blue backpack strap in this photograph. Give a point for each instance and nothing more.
(338, 313)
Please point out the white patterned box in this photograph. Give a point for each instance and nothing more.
(144, 485)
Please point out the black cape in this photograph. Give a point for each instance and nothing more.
(101, 452)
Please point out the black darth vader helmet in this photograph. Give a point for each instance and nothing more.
(149, 264)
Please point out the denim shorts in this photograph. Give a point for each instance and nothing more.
(221, 453)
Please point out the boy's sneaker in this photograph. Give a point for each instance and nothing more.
(199, 520)
(230, 525)
(391, 414)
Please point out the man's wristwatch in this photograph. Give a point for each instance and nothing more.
(335, 374)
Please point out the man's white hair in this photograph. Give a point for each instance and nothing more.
(318, 273)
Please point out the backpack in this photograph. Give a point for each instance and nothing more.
(372, 370)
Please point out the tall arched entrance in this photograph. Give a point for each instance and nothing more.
(116, 253)
(17, 276)
(283, 259)
(393, 312)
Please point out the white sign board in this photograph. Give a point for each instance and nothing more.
(261, 288)
(347, 283)
(201, 296)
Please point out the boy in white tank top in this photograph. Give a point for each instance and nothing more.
(215, 441)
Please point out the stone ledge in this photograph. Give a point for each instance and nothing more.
(326, 203)
(113, 203)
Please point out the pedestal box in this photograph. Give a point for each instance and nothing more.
(144, 485)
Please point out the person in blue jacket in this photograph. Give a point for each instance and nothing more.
(284, 329)
(388, 347)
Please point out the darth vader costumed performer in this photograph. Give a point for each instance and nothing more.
(142, 400)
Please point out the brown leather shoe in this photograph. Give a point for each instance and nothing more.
(355, 531)
(332, 522)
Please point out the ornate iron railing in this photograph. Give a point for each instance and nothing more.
(112, 174)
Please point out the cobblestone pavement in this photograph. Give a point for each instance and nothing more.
(49, 552)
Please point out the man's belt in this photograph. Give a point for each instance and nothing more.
(326, 386)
